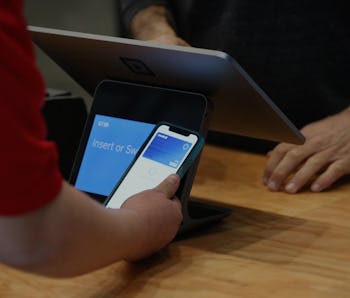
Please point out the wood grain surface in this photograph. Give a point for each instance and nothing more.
(273, 245)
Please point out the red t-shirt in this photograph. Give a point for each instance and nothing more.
(29, 172)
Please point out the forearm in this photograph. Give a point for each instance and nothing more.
(151, 23)
(70, 236)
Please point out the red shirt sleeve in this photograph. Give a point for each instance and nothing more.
(29, 172)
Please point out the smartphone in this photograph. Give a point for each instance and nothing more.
(169, 149)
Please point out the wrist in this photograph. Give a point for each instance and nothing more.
(135, 234)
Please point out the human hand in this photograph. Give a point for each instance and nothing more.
(170, 39)
(155, 24)
(320, 161)
(159, 215)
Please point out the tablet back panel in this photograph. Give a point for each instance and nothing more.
(240, 106)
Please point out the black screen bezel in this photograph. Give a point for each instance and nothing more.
(144, 104)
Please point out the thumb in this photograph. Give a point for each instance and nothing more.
(169, 186)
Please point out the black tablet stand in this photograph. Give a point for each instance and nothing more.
(195, 213)
(153, 104)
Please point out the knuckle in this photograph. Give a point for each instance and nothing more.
(339, 168)
(277, 175)
(295, 153)
(281, 149)
(316, 163)
(318, 142)
(300, 176)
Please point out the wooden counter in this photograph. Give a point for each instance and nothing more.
(273, 245)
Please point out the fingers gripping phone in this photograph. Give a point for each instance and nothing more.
(169, 149)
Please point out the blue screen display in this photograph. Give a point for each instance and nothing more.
(167, 150)
(112, 145)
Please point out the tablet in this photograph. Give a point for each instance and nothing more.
(121, 118)
(240, 106)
